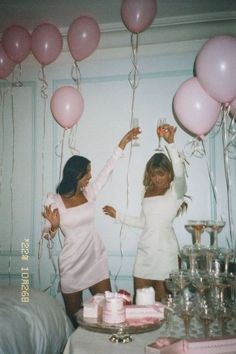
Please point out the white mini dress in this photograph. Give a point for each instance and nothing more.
(157, 251)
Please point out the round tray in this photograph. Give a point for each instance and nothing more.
(95, 325)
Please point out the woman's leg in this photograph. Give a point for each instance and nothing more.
(101, 287)
(73, 302)
(160, 290)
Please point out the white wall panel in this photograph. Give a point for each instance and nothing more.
(108, 96)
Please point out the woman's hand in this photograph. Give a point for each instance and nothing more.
(167, 132)
(53, 216)
(109, 210)
(132, 134)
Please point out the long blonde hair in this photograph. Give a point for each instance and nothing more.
(157, 162)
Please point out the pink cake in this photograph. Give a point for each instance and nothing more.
(137, 315)
(113, 310)
(93, 307)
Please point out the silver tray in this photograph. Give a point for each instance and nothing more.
(92, 324)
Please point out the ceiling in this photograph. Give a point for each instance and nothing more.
(30, 13)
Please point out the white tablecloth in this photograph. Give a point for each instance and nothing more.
(84, 341)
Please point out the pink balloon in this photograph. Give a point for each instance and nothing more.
(83, 37)
(67, 106)
(46, 43)
(195, 110)
(6, 64)
(16, 41)
(216, 68)
(138, 15)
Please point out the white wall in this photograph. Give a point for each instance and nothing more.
(31, 167)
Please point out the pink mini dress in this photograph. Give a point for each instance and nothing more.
(83, 258)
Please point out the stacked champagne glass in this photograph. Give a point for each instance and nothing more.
(203, 291)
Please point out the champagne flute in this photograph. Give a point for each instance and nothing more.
(214, 227)
(135, 124)
(225, 315)
(206, 316)
(159, 131)
(186, 312)
(202, 284)
(196, 228)
(181, 280)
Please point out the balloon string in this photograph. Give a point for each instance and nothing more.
(218, 124)
(62, 153)
(2, 103)
(228, 184)
(72, 140)
(43, 173)
(11, 188)
(16, 76)
(210, 174)
(44, 87)
(60, 169)
(231, 144)
(50, 244)
(196, 148)
(43, 145)
(134, 73)
(133, 79)
(76, 74)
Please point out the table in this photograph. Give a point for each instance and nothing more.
(84, 341)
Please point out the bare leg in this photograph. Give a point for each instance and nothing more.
(160, 290)
(101, 287)
(73, 302)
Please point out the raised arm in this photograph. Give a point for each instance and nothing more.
(92, 189)
(168, 133)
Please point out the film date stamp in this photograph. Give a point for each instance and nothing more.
(25, 271)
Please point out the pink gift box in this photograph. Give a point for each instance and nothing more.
(163, 343)
(217, 345)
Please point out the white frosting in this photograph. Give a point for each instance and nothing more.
(93, 306)
(113, 310)
(145, 296)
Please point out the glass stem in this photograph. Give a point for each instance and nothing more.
(192, 263)
(198, 238)
(215, 244)
(187, 325)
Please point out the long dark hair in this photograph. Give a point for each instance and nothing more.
(74, 169)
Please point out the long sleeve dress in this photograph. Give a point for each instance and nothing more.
(83, 258)
(157, 250)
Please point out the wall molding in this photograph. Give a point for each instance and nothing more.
(166, 30)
